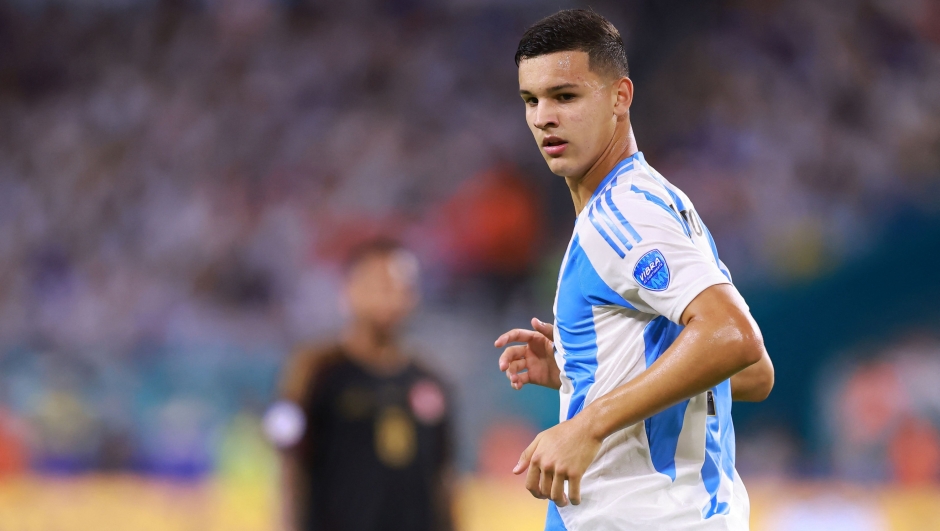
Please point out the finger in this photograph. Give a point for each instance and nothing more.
(510, 354)
(545, 329)
(574, 490)
(516, 335)
(558, 490)
(516, 366)
(532, 481)
(545, 485)
(518, 380)
(526, 457)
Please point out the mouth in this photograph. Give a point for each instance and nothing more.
(553, 145)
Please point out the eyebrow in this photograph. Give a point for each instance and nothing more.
(556, 88)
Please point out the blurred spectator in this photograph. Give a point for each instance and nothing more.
(914, 453)
(491, 230)
(167, 170)
(14, 456)
(883, 419)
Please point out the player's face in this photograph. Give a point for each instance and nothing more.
(382, 289)
(569, 109)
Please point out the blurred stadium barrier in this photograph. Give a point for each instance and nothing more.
(131, 503)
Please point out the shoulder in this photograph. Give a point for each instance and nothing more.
(306, 365)
(636, 186)
(424, 371)
(648, 200)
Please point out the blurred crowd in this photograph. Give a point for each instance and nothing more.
(179, 181)
(882, 414)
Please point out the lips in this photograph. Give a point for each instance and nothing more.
(553, 145)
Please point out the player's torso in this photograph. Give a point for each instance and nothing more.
(676, 467)
(603, 337)
(385, 431)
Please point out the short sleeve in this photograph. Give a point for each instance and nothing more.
(287, 423)
(664, 268)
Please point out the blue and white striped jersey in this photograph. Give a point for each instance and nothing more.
(638, 256)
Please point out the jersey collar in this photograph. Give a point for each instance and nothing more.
(621, 167)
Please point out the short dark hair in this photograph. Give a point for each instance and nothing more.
(577, 30)
(376, 247)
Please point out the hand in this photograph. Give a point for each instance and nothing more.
(533, 362)
(561, 453)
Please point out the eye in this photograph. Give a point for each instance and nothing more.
(566, 96)
(531, 102)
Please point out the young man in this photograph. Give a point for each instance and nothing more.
(363, 428)
(651, 341)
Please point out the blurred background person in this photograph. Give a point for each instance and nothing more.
(364, 428)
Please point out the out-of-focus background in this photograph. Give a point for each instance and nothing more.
(180, 178)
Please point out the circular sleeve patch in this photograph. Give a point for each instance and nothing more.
(651, 271)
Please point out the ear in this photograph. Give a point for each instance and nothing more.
(624, 93)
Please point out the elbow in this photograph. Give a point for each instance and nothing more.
(747, 344)
(762, 384)
(759, 369)
(752, 351)
(767, 385)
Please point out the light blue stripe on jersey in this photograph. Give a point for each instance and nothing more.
(679, 204)
(711, 242)
(658, 201)
(579, 290)
(662, 180)
(595, 291)
(610, 223)
(623, 221)
(575, 321)
(663, 428)
(553, 521)
(719, 429)
(603, 233)
(595, 205)
(719, 450)
(622, 167)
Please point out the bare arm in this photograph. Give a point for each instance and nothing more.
(719, 340)
(291, 492)
(286, 426)
(754, 383)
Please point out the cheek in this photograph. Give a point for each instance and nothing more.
(601, 122)
(529, 116)
(580, 123)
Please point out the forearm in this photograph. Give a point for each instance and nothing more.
(705, 354)
(290, 493)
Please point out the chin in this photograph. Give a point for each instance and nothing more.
(560, 166)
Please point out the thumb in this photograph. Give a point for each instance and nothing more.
(525, 458)
(545, 329)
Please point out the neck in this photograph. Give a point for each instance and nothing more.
(621, 146)
(373, 347)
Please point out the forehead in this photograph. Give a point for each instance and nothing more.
(559, 68)
(398, 266)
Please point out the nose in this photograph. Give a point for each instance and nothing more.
(545, 116)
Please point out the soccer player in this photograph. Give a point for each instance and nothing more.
(651, 341)
(363, 428)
